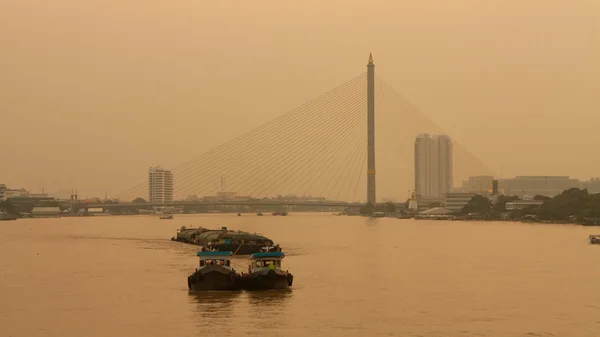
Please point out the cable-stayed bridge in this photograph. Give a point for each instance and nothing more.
(322, 149)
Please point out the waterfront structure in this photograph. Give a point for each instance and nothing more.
(371, 196)
(45, 212)
(522, 204)
(160, 185)
(537, 185)
(6, 193)
(413, 204)
(433, 166)
(456, 201)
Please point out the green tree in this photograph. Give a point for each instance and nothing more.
(8, 207)
(139, 200)
(592, 209)
(478, 204)
(541, 197)
(569, 203)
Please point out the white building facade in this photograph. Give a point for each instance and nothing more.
(433, 166)
(456, 201)
(6, 193)
(160, 185)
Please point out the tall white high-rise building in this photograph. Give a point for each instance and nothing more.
(160, 185)
(433, 166)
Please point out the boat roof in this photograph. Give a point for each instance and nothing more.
(267, 254)
(214, 254)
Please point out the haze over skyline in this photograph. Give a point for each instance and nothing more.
(92, 93)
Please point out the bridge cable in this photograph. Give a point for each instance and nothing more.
(271, 150)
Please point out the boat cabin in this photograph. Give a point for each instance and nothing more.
(264, 261)
(215, 259)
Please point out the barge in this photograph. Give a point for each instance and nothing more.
(223, 240)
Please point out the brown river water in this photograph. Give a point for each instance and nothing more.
(353, 276)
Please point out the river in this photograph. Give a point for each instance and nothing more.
(353, 276)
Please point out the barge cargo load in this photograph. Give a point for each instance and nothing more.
(223, 240)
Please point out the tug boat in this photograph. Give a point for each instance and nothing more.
(215, 272)
(265, 273)
(595, 239)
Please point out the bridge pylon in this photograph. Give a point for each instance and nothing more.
(371, 196)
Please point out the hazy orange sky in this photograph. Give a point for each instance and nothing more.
(92, 93)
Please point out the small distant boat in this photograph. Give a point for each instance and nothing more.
(167, 217)
(259, 214)
(275, 213)
(595, 239)
(284, 213)
(239, 214)
(215, 273)
(265, 273)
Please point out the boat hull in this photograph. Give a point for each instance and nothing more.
(245, 249)
(215, 278)
(269, 280)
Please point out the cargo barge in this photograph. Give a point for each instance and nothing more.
(223, 240)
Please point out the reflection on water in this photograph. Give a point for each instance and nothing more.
(270, 309)
(212, 309)
(269, 298)
(217, 308)
(214, 304)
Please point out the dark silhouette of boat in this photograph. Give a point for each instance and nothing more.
(223, 240)
(215, 273)
(595, 239)
(166, 217)
(265, 273)
(259, 214)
